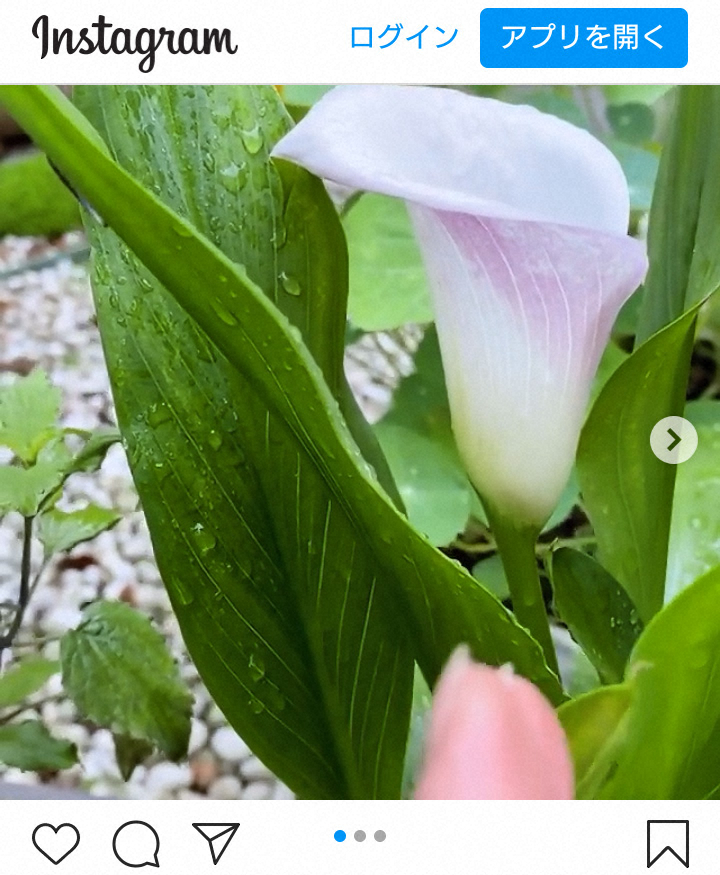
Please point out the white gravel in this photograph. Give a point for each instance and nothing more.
(228, 745)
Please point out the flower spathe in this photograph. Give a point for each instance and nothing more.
(522, 222)
(492, 735)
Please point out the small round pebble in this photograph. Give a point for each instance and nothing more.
(226, 743)
(258, 790)
(253, 770)
(163, 779)
(198, 736)
(225, 787)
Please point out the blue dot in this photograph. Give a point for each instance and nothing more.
(340, 835)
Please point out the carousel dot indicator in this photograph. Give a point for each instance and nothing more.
(380, 835)
(360, 836)
(340, 835)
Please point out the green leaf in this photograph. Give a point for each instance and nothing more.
(695, 530)
(620, 477)
(641, 169)
(671, 748)
(684, 234)
(632, 122)
(435, 492)
(441, 604)
(579, 674)
(118, 672)
(262, 561)
(33, 200)
(416, 436)
(59, 531)
(490, 573)
(26, 489)
(92, 454)
(29, 409)
(129, 753)
(388, 285)
(632, 92)
(304, 94)
(421, 705)
(594, 727)
(33, 489)
(25, 678)
(30, 746)
(611, 360)
(597, 611)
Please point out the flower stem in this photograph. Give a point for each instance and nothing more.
(516, 545)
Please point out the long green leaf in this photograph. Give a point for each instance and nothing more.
(445, 606)
(671, 748)
(596, 609)
(694, 547)
(684, 232)
(626, 489)
(594, 726)
(285, 613)
(33, 201)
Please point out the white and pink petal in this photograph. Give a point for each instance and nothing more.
(522, 222)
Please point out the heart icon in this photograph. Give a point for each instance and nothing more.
(56, 842)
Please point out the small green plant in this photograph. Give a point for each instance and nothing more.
(114, 665)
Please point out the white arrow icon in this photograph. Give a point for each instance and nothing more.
(654, 30)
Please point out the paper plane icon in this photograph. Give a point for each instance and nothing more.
(218, 836)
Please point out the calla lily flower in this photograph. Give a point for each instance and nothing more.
(522, 222)
(493, 735)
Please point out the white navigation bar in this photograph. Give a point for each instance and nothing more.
(173, 41)
(344, 838)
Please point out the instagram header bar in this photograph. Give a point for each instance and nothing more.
(323, 41)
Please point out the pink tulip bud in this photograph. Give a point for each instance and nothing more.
(493, 735)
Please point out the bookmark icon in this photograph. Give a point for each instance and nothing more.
(218, 836)
(668, 837)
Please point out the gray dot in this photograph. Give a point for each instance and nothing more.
(380, 836)
(359, 836)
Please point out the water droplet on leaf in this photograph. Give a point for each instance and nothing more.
(225, 315)
(252, 140)
(204, 539)
(290, 284)
(232, 177)
(257, 667)
(182, 230)
(256, 706)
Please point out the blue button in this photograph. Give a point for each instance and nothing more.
(567, 37)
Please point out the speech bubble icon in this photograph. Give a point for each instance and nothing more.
(136, 844)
